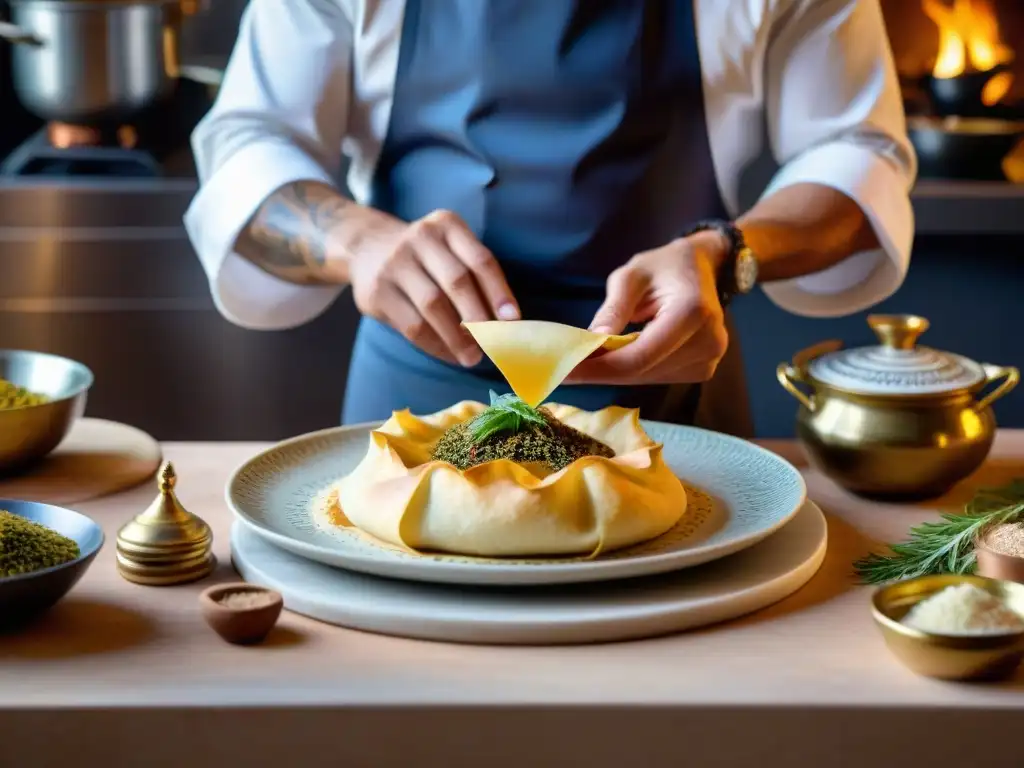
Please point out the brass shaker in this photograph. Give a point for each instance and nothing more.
(166, 544)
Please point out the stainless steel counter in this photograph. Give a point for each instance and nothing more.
(154, 205)
(968, 207)
(103, 273)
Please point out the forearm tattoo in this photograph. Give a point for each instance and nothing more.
(288, 236)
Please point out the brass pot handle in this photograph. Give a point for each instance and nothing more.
(789, 374)
(1009, 374)
(788, 377)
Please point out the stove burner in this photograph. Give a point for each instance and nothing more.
(66, 136)
(40, 157)
(157, 145)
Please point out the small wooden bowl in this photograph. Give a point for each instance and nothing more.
(948, 657)
(241, 613)
(997, 565)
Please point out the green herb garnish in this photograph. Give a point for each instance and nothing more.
(510, 429)
(946, 546)
(507, 413)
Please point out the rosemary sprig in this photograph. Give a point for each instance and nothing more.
(507, 413)
(946, 546)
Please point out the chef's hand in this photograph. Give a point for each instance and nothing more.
(673, 290)
(424, 279)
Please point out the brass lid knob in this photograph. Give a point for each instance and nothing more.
(165, 544)
(898, 331)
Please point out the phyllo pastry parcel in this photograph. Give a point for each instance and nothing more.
(514, 478)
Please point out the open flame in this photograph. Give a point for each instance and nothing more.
(969, 41)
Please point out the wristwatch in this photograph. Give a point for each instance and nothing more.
(738, 272)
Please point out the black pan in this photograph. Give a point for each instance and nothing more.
(963, 148)
(961, 95)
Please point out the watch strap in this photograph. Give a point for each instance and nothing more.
(726, 278)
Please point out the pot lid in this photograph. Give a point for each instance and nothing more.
(897, 366)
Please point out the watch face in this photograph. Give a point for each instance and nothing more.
(746, 271)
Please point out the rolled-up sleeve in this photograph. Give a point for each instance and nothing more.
(280, 117)
(835, 117)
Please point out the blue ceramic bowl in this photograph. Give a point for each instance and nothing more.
(25, 596)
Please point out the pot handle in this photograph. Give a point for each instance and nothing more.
(1009, 374)
(788, 377)
(14, 34)
(791, 374)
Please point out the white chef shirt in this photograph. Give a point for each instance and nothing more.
(811, 82)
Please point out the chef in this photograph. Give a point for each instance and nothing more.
(578, 161)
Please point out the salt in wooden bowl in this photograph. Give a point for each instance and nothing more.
(996, 563)
(241, 613)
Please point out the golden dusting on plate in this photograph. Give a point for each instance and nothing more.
(331, 507)
(328, 517)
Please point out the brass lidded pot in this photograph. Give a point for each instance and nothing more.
(895, 420)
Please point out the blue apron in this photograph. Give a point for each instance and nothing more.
(569, 135)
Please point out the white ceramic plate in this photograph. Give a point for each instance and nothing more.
(738, 493)
(571, 613)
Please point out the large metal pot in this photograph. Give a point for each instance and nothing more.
(93, 62)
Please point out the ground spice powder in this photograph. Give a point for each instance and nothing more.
(244, 600)
(27, 546)
(1007, 539)
(17, 397)
(555, 444)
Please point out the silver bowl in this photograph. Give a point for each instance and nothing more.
(28, 434)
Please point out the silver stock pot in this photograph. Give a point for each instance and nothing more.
(90, 62)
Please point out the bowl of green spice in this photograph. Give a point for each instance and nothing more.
(44, 551)
(41, 397)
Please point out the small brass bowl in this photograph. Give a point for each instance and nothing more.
(948, 657)
(28, 434)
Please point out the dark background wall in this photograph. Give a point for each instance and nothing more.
(968, 286)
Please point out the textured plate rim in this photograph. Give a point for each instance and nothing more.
(496, 573)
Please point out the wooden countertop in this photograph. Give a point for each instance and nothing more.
(115, 665)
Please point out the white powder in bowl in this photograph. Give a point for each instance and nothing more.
(964, 609)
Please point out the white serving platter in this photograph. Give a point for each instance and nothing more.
(566, 614)
(738, 494)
